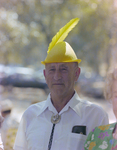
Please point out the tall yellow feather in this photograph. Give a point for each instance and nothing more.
(63, 32)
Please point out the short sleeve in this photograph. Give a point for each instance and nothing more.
(104, 120)
(20, 141)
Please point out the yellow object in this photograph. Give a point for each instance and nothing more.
(63, 32)
(59, 50)
(10, 139)
(104, 127)
(92, 144)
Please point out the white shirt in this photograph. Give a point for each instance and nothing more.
(35, 126)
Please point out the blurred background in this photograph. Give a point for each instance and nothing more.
(26, 29)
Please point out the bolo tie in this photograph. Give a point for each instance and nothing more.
(54, 119)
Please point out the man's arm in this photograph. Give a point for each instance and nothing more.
(105, 120)
(20, 141)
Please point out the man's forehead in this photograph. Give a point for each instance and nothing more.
(59, 64)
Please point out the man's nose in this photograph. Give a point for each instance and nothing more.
(57, 75)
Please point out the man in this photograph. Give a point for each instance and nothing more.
(63, 121)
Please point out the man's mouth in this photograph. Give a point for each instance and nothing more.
(57, 83)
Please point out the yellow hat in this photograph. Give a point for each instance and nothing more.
(59, 50)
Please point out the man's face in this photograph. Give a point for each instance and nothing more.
(61, 77)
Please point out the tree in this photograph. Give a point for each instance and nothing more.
(27, 28)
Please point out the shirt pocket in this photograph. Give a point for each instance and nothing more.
(75, 141)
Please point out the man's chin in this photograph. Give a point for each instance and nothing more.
(58, 90)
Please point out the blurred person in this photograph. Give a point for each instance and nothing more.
(9, 125)
(63, 121)
(105, 137)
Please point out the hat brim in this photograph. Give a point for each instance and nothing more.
(46, 62)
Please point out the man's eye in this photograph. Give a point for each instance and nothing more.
(64, 69)
(52, 69)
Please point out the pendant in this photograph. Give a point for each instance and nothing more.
(55, 118)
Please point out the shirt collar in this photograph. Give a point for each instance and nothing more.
(45, 104)
(74, 103)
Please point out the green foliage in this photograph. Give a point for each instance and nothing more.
(27, 27)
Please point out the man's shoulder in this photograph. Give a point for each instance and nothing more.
(34, 109)
(85, 106)
(88, 106)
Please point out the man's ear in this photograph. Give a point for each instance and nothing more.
(77, 73)
(44, 73)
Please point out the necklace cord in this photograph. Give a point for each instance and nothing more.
(51, 137)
